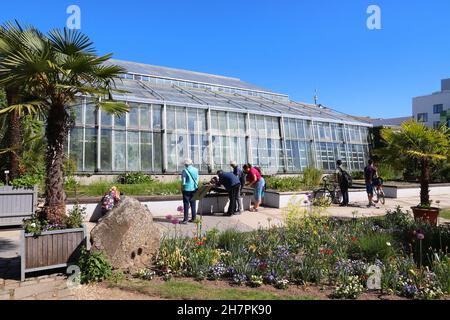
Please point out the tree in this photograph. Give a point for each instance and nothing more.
(418, 143)
(56, 69)
(10, 36)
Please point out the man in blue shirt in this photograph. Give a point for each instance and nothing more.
(232, 185)
(189, 181)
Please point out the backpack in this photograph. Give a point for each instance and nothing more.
(346, 177)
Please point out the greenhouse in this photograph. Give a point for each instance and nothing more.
(176, 114)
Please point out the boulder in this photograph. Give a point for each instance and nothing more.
(127, 236)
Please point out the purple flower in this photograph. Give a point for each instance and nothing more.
(169, 217)
(180, 209)
(420, 236)
(175, 221)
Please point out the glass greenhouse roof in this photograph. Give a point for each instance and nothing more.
(205, 97)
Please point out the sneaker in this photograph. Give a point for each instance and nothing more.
(237, 213)
(184, 222)
(192, 220)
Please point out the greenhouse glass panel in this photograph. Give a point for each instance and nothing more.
(78, 114)
(106, 119)
(133, 158)
(90, 150)
(171, 119)
(181, 120)
(106, 150)
(146, 151)
(157, 152)
(91, 115)
(172, 152)
(157, 117)
(120, 121)
(145, 116)
(76, 147)
(119, 150)
(133, 116)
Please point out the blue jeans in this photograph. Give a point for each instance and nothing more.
(188, 201)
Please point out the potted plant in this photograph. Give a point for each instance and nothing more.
(422, 146)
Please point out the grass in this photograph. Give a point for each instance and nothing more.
(445, 213)
(98, 189)
(187, 290)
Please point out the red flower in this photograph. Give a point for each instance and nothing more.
(323, 251)
(200, 243)
(329, 252)
(354, 239)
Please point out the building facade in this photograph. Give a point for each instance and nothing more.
(433, 110)
(177, 114)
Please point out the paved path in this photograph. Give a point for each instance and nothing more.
(55, 287)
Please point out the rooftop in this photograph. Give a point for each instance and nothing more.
(171, 88)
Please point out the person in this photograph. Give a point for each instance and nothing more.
(189, 181)
(110, 200)
(255, 180)
(343, 182)
(238, 172)
(370, 172)
(232, 184)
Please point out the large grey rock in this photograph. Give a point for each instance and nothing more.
(127, 236)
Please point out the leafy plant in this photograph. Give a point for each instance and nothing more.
(94, 266)
(75, 217)
(27, 181)
(349, 287)
(373, 246)
(134, 178)
(312, 177)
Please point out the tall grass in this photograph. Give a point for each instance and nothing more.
(97, 189)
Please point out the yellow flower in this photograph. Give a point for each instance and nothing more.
(252, 247)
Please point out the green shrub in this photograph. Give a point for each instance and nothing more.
(94, 266)
(75, 217)
(28, 181)
(311, 178)
(284, 184)
(357, 175)
(230, 239)
(373, 246)
(134, 178)
(388, 173)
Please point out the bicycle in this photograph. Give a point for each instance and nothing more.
(330, 191)
(378, 188)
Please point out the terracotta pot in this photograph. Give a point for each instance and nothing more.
(429, 215)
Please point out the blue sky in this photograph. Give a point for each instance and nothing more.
(291, 47)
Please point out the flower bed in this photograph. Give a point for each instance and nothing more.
(390, 254)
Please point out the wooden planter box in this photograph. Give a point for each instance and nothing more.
(16, 204)
(51, 249)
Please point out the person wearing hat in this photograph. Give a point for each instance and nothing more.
(189, 184)
(238, 172)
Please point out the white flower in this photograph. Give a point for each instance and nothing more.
(33, 225)
(388, 244)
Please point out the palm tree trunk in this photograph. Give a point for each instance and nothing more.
(424, 183)
(55, 196)
(13, 135)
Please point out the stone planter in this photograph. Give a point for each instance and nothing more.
(16, 204)
(429, 215)
(51, 249)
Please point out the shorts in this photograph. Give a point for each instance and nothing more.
(259, 189)
(369, 188)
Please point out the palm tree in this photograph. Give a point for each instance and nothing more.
(10, 41)
(56, 69)
(418, 143)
